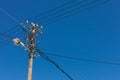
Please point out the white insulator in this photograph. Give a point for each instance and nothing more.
(41, 27)
(36, 25)
(27, 21)
(32, 23)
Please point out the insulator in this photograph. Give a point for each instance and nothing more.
(36, 25)
(32, 23)
(41, 27)
(26, 21)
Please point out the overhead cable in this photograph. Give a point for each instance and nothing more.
(72, 12)
(13, 18)
(60, 10)
(54, 63)
(52, 10)
(83, 59)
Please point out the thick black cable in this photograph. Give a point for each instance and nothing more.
(82, 59)
(54, 63)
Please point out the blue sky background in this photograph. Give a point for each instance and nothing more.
(93, 34)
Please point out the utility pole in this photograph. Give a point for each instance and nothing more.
(32, 31)
(31, 44)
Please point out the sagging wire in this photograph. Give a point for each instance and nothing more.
(53, 62)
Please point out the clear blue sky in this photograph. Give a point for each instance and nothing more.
(93, 34)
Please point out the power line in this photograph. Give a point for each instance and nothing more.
(67, 9)
(30, 41)
(9, 15)
(6, 35)
(5, 38)
(82, 59)
(53, 62)
(5, 41)
(53, 9)
(57, 17)
(17, 30)
(60, 10)
(49, 11)
(4, 44)
(18, 22)
(72, 12)
(14, 32)
(13, 18)
(59, 7)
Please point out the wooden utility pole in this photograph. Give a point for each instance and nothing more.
(30, 67)
(31, 44)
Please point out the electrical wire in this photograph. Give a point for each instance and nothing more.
(4, 44)
(9, 15)
(60, 10)
(53, 62)
(14, 32)
(57, 17)
(72, 12)
(49, 11)
(51, 20)
(6, 35)
(82, 59)
(66, 8)
(11, 32)
(13, 18)
(53, 9)
(5, 39)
